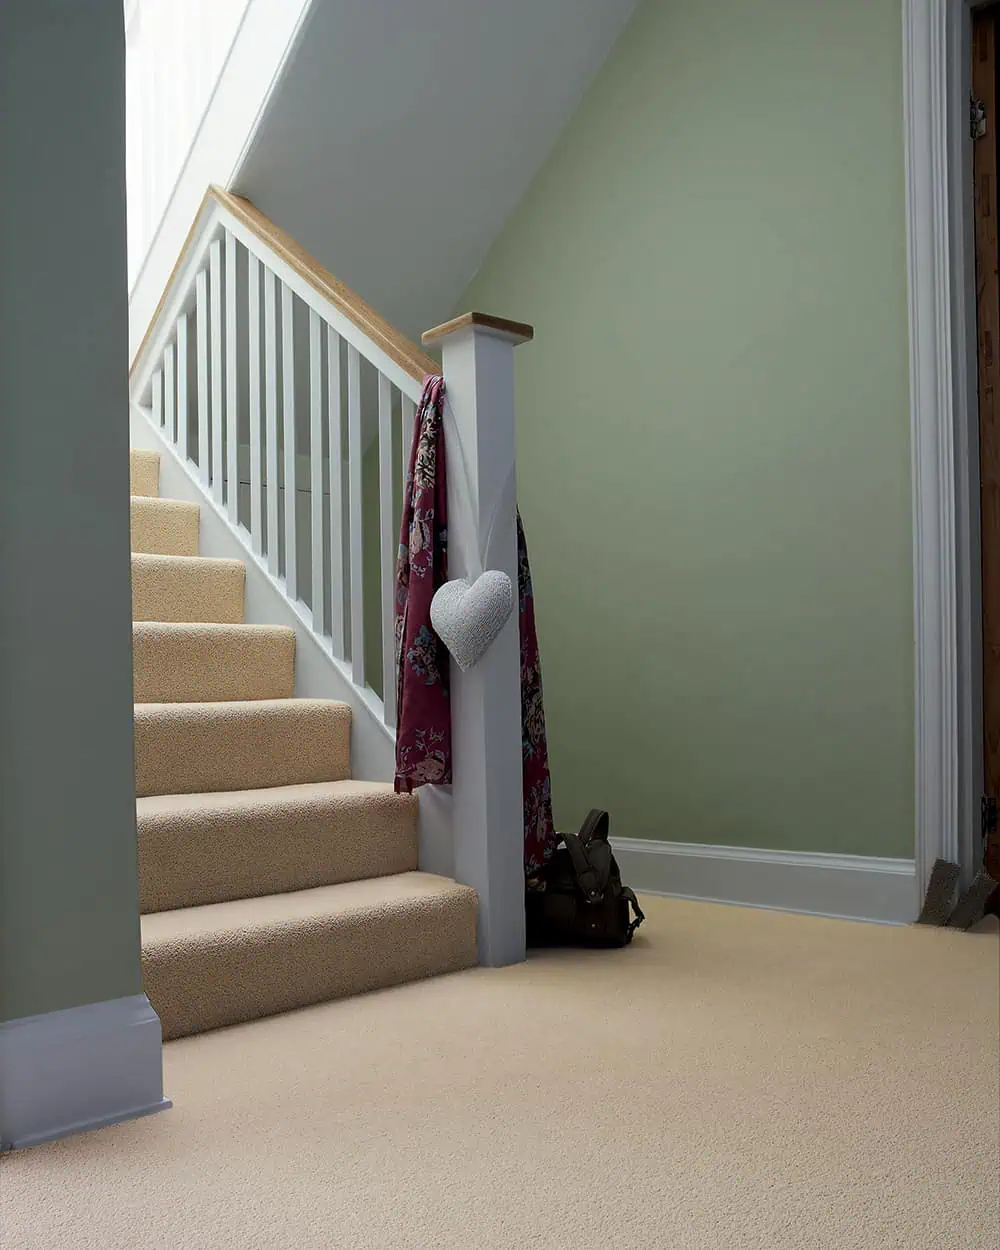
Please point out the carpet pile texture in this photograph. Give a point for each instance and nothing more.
(737, 1080)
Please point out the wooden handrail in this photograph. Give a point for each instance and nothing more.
(515, 331)
(397, 346)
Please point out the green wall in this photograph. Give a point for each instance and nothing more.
(713, 448)
(69, 894)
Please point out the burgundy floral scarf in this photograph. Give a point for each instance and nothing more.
(423, 708)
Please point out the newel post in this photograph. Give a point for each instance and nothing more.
(478, 366)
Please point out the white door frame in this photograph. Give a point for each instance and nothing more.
(944, 432)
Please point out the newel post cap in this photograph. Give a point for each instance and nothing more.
(514, 332)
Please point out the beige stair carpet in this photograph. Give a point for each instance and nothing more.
(185, 663)
(229, 962)
(144, 473)
(209, 848)
(165, 527)
(269, 879)
(187, 588)
(735, 1080)
(184, 748)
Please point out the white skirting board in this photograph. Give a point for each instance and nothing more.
(850, 887)
(82, 1068)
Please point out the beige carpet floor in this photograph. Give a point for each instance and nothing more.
(737, 1079)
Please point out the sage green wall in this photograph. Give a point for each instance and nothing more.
(69, 897)
(713, 448)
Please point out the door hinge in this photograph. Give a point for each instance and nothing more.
(977, 118)
(988, 819)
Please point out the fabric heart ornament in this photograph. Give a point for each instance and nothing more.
(467, 616)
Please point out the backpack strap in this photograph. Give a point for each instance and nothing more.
(639, 917)
(595, 826)
(586, 875)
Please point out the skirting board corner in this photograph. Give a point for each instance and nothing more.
(81, 1068)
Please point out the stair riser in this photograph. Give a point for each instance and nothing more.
(190, 859)
(202, 590)
(193, 989)
(144, 473)
(178, 751)
(192, 666)
(163, 527)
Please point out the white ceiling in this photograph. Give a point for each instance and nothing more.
(403, 133)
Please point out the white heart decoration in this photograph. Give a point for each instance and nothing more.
(468, 616)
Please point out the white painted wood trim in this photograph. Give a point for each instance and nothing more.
(850, 887)
(157, 396)
(318, 584)
(388, 542)
(334, 417)
(355, 486)
(932, 428)
(288, 417)
(182, 386)
(79, 1069)
(201, 330)
(407, 416)
(232, 411)
(170, 392)
(253, 374)
(488, 814)
(271, 420)
(215, 302)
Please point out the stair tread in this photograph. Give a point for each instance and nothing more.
(327, 904)
(239, 709)
(212, 629)
(312, 794)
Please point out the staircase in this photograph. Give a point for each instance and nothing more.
(269, 879)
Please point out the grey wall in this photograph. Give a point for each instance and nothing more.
(69, 931)
(401, 135)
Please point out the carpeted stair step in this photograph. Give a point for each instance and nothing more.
(206, 967)
(165, 527)
(187, 588)
(196, 849)
(193, 748)
(144, 472)
(184, 663)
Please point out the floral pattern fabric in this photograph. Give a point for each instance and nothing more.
(423, 708)
(423, 732)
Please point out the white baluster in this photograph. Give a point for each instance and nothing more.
(336, 493)
(387, 549)
(409, 411)
(182, 387)
(202, 318)
(253, 339)
(169, 392)
(157, 398)
(318, 592)
(215, 294)
(232, 425)
(288, 412)
(271, 420)
(354, 488)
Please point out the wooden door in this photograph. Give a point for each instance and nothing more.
(984, 91)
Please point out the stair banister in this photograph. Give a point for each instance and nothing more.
(488, 818)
